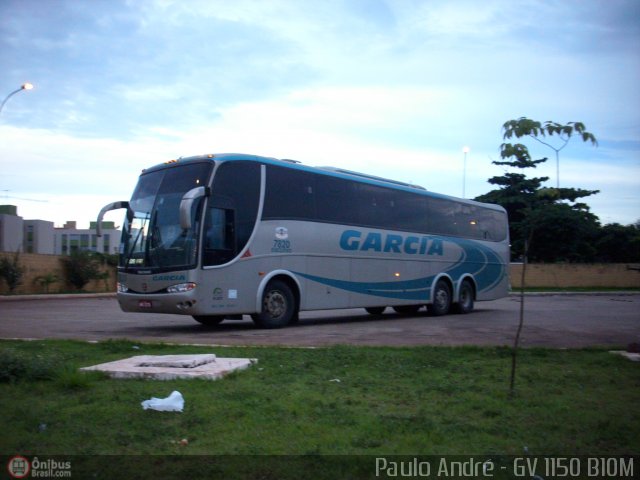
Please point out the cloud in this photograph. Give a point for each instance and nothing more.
(394, 88)
(44, 165)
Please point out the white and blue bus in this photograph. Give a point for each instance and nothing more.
(225, 235)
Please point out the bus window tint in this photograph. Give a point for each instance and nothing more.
(447, 217)
(219, 239)
(334, 200)
(492, 225)
(299, 195)
(290, 194)
(233, 210)
(411, 213)
(376, 205)
(219, 234)
(442, 216)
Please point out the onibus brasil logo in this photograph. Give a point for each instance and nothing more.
(20, 467)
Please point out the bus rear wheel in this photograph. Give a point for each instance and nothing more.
(278, 306)
(441, 299)
(465, 305)
(208, 320)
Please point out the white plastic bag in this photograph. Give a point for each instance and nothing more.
(173, 403)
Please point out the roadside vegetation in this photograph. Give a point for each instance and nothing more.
(328, 401)
(74, 274)
(553, 224)
(81, 267)
(579, 289)
(11, 271)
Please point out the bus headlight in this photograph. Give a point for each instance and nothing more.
(121, 287)
(181, 288)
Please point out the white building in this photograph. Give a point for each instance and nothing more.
(69, 239)
(11, 229)
(40, 236)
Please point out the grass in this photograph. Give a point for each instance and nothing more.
(577, 289)
(326, 401)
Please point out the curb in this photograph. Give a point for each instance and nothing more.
(595, 293)
(55, 296)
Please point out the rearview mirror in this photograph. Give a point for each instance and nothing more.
(109, 207)
(186, 205)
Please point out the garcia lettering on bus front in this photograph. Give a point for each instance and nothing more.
(390, 243)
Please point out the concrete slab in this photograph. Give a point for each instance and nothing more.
(175, 361)
(171, 367)
(634, 357)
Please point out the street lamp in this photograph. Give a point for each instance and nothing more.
(24, 86)
(465, 150)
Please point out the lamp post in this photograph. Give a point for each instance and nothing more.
(465, 150)
(24, 86)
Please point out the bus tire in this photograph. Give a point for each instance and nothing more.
(441, 299)
(407, 309)
(208, 320)
(278, 306)
(375, 310)
(465, 303)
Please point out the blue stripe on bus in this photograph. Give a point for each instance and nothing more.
(489, 267)
(483, 263)
(417, 289)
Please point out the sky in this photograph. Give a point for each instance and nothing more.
(393, 88)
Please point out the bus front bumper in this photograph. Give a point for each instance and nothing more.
(175, 303)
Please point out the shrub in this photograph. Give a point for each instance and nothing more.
(45, 280)
(15, 366)
(11, 271)
(81, 267)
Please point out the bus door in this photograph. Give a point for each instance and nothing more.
(220, 244)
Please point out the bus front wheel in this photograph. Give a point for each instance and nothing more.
(278, 306)
(441, 299)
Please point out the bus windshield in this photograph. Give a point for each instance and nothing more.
(152, 237)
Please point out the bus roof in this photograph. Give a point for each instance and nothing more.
(330, 171)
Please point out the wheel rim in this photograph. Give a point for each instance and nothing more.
(275, 303)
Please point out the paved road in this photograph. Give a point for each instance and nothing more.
(550, 320)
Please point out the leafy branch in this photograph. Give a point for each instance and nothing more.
(525, 127)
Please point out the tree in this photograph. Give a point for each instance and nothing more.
(11, 271)
(545, 223)
(81, 267)
(558, 227)
(532, 129)
(618, 243)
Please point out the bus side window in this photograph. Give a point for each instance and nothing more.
(219, 242)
